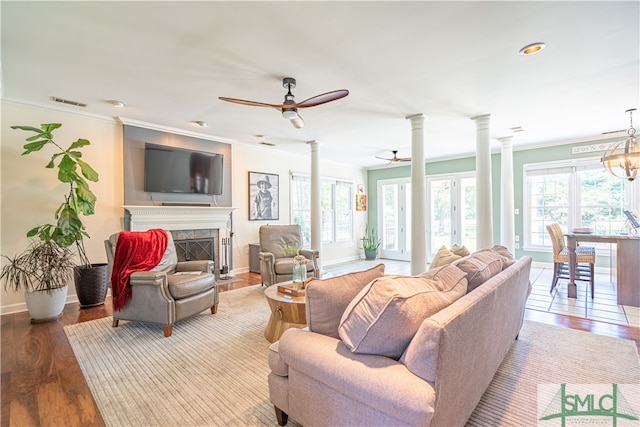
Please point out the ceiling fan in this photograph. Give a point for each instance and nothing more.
(395, 158)
(289, 107)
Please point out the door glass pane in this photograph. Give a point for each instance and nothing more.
(407, 218)
(343, 211)
(468, 213)
(390, 216)
(440, 204)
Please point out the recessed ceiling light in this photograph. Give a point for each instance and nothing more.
(201, 123)
(532, 48)
(117, 104)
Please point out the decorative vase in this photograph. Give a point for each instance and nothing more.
(299, 272)
(91, 284)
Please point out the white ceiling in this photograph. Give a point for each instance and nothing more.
(170, 61)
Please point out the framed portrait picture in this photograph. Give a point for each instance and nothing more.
(264, 195)
(361, 202)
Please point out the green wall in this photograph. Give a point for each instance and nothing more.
(467, 164)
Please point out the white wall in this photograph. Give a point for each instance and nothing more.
(30, 193)
(258, 159)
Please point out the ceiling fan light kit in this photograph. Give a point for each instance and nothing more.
(289, 107)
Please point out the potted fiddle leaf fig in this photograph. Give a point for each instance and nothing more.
(67, 229)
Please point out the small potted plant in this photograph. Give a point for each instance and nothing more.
(56, 239)
(370, 242)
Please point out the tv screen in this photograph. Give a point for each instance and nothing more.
(177, 170)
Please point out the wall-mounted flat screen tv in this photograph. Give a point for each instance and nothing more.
(177, 170)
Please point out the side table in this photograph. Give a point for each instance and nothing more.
(286, 312)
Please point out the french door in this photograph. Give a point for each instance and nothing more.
(451, 213)
(394, 222)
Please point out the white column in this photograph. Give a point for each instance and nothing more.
(484, 199)
(418, 196)
(507, 204)
(316, 213)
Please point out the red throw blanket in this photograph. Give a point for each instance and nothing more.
(135, 251)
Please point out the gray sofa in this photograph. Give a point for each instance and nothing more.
(318, 381)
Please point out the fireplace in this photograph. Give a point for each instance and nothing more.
(198, 231)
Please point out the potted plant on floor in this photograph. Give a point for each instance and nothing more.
(370, 242)
(68, 228)
(43, 271)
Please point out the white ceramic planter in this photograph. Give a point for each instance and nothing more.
(44, 306)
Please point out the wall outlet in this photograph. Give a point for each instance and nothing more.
(516, 211)
(517, 238)
(517, 245)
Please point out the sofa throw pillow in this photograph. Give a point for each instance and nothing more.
(443, 257)
(386, 314)
(327, 298)
(459, 250)
(481, 266)
(507, 257)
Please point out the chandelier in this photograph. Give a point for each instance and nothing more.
(623, 158)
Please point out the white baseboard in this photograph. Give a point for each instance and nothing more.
(22, 306)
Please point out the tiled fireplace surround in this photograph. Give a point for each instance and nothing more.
(196, 230)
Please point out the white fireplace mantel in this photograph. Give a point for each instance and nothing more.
(179, 217)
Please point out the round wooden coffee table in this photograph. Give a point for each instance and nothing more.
(286, 312)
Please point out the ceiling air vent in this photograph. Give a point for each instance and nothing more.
(270, 144)
(69, 102)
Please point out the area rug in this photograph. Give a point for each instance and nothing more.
(213, 370)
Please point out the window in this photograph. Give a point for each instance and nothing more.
(336, 203)
(301, 205)
(573, 194)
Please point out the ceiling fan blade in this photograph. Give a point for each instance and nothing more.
(252, 103)
(384, 158)
(323, 98)
(297, 121)
(403, 159)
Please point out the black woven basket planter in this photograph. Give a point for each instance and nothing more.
(91, 284)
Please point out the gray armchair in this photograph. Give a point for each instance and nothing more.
(163, 295)
(276, 265)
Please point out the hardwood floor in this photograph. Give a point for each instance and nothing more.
(42, 384)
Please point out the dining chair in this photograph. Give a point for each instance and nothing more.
(585, 259)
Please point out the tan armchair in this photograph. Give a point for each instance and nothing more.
(164, 295)
(276, 265)
(585, 259)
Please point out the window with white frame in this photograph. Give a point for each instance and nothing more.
(574, 194)
(336, 203)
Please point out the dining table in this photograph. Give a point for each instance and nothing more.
(627, 263)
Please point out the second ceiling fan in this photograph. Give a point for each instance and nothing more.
(395, 158)
(289, 107)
